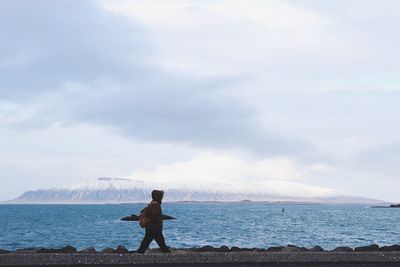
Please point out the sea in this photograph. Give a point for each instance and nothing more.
(196, 225)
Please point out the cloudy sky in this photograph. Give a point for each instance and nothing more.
(304, 91)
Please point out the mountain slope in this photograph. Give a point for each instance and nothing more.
(119, 190)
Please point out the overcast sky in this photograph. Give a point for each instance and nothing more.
(304, 91)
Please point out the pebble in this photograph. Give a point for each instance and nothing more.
(369, 248)
(88, 250)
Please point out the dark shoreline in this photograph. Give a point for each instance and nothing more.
(204, 259)
(288, 256)
(223, 249)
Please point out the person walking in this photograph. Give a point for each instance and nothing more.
(151, 219)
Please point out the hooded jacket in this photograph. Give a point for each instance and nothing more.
(156, 218)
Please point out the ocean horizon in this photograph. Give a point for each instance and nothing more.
(382, 204)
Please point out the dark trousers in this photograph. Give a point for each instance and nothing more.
(150, 235)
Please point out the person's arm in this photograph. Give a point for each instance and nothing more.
(157, 216)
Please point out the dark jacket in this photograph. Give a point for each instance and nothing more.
(156, 219)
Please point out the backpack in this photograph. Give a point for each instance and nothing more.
(144, 217)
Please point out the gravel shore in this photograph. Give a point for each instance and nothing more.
(289, 256)
(244, 259)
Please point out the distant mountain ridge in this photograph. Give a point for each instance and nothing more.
(123, 190)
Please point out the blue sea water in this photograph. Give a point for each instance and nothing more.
(242, 225)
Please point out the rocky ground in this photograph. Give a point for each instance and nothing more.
(287, 256)
(205, 259)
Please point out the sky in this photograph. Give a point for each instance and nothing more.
(302, 91)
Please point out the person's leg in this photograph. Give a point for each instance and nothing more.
(149, 236)
(158, 236)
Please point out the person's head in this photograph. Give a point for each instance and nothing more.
(157, 195)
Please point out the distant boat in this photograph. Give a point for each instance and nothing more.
(395, 206)
(283, 210)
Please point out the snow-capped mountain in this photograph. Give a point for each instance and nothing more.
(121, 190)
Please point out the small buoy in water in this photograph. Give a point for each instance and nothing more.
(283, 210)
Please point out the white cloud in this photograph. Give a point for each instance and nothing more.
(310, 44)
(274, 15)
(224, 167)
(102, 77)
(32, 158)
(230, 37)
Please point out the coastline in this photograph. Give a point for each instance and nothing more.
(288, 256)
(194, 250)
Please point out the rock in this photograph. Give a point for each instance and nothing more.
(234, 249)
(28, 250)
(258, 249)
(3, 251)
(369, 248)
(67, 249)
(47, 250)
(390, 248)
(121, 249)
(107, 250)
(275, 249)
(133, 217)
(292, 248)
(88, 250)
(223, 249)
(343, 249)
(316, 249)
(206, 249)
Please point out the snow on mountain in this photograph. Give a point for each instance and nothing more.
(120, 190)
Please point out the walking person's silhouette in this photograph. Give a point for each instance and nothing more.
(153, 223)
